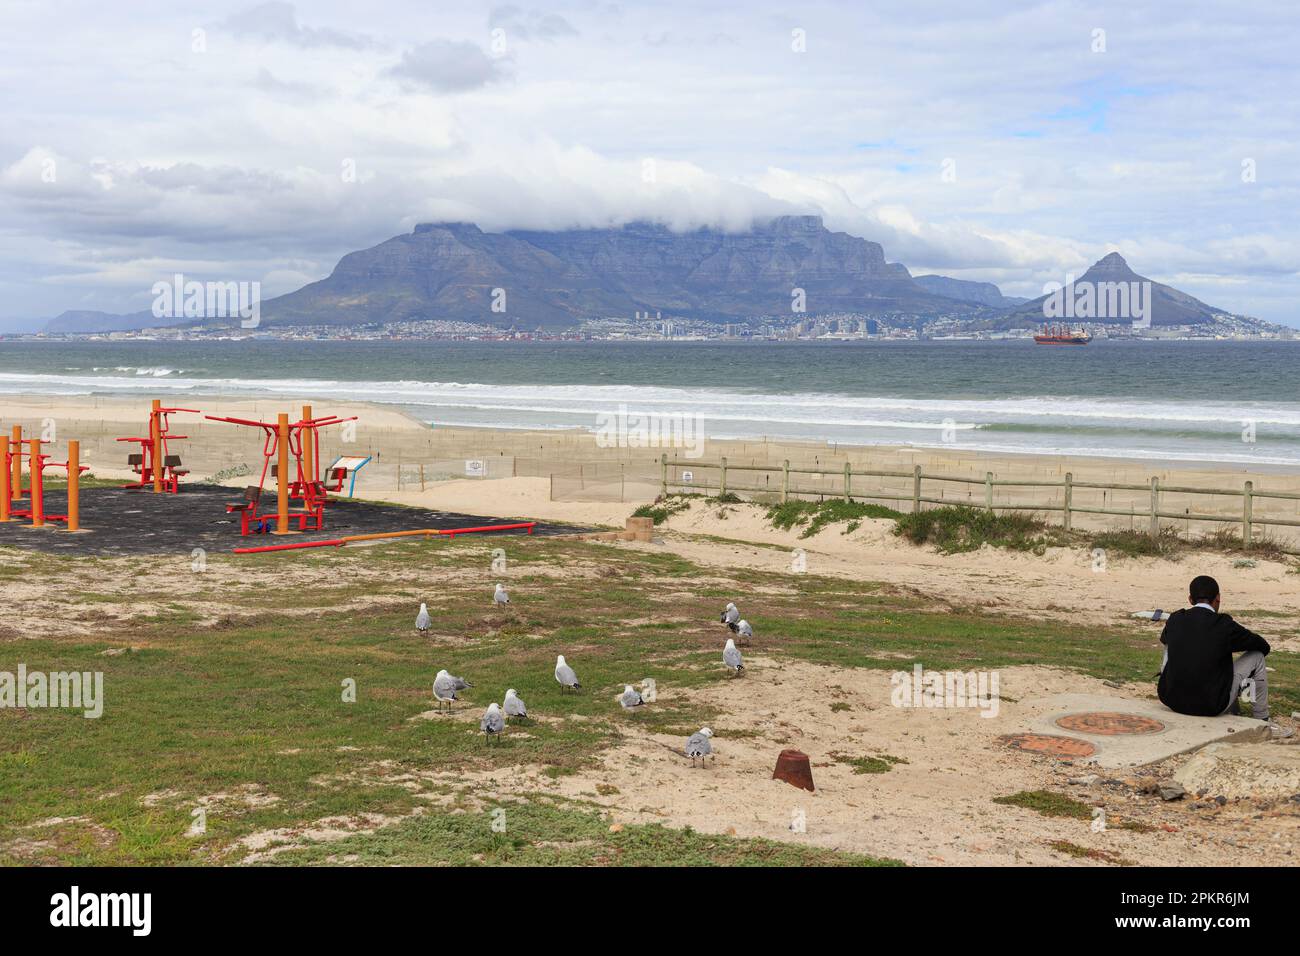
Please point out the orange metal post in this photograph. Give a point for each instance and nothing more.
(16, 475)
(74, 485)
(308, 440)
(4, 486)
(282, 476)
(34, 480)
(155, 436)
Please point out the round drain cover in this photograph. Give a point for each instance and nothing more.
(1109, 724)
(1050, 745)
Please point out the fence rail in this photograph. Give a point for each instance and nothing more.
(1247, 517)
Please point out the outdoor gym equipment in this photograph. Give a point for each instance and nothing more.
(283, 439)
(11, 481)
(155, 466)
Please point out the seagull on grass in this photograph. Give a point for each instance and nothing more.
(499, 596)
(730, 616)
(629, 698)
(731, 657)
(492, 723)
(513, 706)
(446, 687)
(564, 674)
(422, 620)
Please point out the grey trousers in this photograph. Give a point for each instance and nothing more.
(1249, 673)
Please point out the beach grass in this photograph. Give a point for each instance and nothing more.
(244, 714)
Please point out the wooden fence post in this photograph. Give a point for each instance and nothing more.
(663, 479)
(848, 482)
(1247, 514)
(785, 481)
(916, 489)
(722, 479)
(1066, 518)
(988, 490)
(1155, 507)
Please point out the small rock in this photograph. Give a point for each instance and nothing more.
(1171, 791)
(1111, 683)
(1086, 781)
(1220, 799)
(616, 828)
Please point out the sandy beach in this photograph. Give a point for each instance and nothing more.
(897, 815)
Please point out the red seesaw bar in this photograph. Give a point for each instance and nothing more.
(425, 532)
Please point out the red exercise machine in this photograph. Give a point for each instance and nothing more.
(301, 482)
(156, 467)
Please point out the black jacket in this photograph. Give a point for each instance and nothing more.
(1197, 680)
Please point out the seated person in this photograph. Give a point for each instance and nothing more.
(1199, 676)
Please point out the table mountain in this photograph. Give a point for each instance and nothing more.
(449, 271)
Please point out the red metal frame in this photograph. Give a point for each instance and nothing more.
(426, 532)
(154, 460)
(304, 483)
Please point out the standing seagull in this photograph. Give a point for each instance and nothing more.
(445, 687)
(745, 631)
(731, 657)
(565, 675)
(730, 616)
(629, 698)
(422, 620)
(492, 723)
(514, 707)
(697, 745)
(499, 596)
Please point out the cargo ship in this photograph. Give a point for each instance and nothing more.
(1062, 335)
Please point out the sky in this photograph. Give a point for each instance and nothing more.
(1007, 142)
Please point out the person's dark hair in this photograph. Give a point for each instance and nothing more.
(1204, 589)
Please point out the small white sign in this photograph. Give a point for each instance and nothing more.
(688, 476)
(475, 468)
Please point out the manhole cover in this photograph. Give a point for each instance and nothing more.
(1049, 744)
(1107, 724)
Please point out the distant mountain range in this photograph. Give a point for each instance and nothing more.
(454, 271)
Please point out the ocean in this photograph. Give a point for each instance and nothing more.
(1232, 402)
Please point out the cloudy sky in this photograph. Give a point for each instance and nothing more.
(1014, 145)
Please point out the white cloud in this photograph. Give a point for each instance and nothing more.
(299, 134)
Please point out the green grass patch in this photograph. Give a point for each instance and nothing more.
(1048, 803)
(813, 516)
(881, 763)
(958, 528)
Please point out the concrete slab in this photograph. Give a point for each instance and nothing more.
(1133, 733)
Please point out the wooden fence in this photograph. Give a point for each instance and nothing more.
(1246, 518)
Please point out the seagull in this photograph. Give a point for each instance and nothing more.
(730, 616)
(499, 596)
(629, 698)
(745, 631)
(422, 620)
(697, 745)
(492, 723)
(445, 687)
(565, 675)
(731, 657)
(513, 706)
